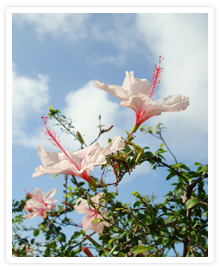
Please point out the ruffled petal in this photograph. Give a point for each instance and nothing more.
(115, 145)
(91, 161)
(115, 90)
(135, 85)
(83, 153)
(145, 107)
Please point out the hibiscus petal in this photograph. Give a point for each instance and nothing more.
(31, 215)
(115, 145)
(135, 85)
(50, 194)
(47, 158)
(88, 223)
(105, 214)
(91, 161)
(38, 194)
(83, 207)
(145, 107)
(63, 167)
(98, 200)
(115, 90)
(83, 153)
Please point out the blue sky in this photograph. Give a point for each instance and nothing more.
(57, 57)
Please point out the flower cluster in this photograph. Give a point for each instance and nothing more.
(40, 203)
(134, 94)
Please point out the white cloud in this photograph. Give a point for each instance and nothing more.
(84, 107)
(183, 41)
(58, 25)
(29, 96)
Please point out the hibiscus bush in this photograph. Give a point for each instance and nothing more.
(109, 227)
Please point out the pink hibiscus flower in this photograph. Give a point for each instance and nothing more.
(40, 203)
(82, 207)
(136, 95)
(78, 163)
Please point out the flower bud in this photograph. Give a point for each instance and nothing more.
(105, 130)
(92, 240)
(79, 137)
(87, 252)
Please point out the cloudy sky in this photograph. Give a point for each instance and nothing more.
(57, 57)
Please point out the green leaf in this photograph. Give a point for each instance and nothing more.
(139, 249)
(162, 144)
(61, 238)
(47, 252)
(76, 235)
(169, 176)
(197, 164)
(136, 194)
(150, 130)
(36, 232)
(121, 254)
(191, 202)
(148, 154)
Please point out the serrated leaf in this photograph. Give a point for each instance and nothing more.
(191, 202)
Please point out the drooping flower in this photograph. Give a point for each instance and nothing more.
(78, 163)
(82, 207)
(136, 95)
(40, 203)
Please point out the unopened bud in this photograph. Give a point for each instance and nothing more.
(87, 251)
(79, 137)
(105, 130)
(92, 240)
